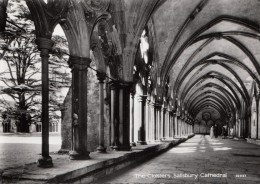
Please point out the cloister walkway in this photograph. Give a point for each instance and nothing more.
(198, 160)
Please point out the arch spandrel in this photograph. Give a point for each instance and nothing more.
(47, 16)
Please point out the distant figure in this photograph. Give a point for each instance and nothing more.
(215, 130)
(4, 123)
(8, 120)
(224, 132)
(212, 132)
(231, 132)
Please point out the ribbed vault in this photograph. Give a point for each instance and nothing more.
(208, 56)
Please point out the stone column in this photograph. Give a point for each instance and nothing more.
(176, 125)
(155, 123)
(148, 120)
(185, 128)
(45, 45)
(152, 123)
(141, 131)
(257, 117)
(79, 67)
(114, 114)
(167, 124)
(241, 128)
(133, 118)
(164, 123)
(101, 77)
(158, 122)
(170, 124)
(173, 124)
(120, 116)
(124, 117)
(180, 127)
(3, 14)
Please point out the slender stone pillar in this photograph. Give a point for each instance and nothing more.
(257, 117)
(183, 127)
(186, 132)
(124, 117)
(167, 124)
(174, 117)
(164, 123)
(148, 120)
(170, 124)
(133, 118)
(114, 86)
(158, 122)
(3, 14)
(176, 126)
(241, 128)
(101, 77)
(141, 131)
(45, 45)
(180, 127)
(153, 122)
(79, 66)
(120, 116)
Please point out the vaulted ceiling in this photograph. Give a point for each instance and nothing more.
(209, 51)
(206, 53)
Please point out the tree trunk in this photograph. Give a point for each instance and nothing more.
(22, 115)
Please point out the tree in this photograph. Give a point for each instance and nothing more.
(22, 76)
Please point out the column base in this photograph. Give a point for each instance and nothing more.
(133, 144)
(122, 148)
(142, 142)
(74, 155)
(101, 149)
(63, 151)
(45, 162)
(125, 148)
(115, 148)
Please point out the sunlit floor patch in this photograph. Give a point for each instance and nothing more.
(183, 150)
(222, 149)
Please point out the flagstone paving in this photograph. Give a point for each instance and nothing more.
(198, 160)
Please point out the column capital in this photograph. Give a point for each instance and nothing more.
(157, 105)
(116, 84)
(44, 43)
(101, 76)
(80, 63)
(132, 94)
(142, 98)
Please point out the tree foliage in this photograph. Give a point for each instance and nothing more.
(22, 76)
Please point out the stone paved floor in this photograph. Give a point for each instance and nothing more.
(19, 149)
(198, 160)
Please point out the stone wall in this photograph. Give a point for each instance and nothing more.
(93, 117)
(66, 123)
(93, 110)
